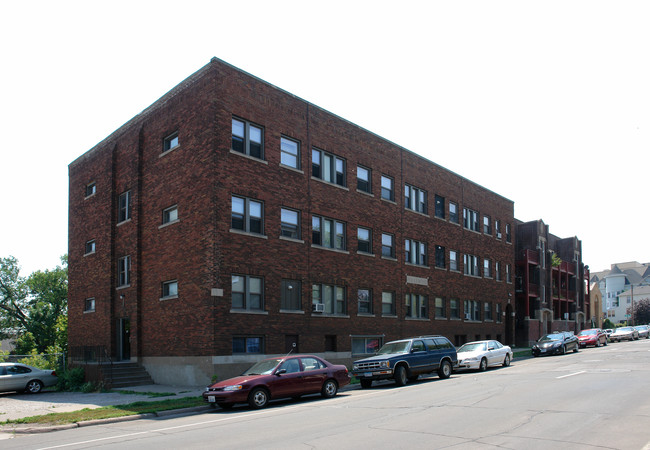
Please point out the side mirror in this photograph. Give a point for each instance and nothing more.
(280, 372)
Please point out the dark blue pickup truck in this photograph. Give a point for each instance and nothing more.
(406, 359)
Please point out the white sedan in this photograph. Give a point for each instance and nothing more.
(483, 354)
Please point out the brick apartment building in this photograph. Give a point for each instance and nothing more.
(552, 283)
(232, 219)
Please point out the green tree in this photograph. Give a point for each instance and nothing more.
(32, 305)
(641, 312)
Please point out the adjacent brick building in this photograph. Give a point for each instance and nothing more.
(552, 283)
(232, 219)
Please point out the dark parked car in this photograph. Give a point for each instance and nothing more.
(557, 343)
(592, 336)
(624, 334)
(406, 359)
(644, 331)
(21, 377)
(282, 377)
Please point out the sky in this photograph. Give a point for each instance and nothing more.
(546, 103)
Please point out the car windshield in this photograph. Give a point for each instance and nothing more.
(263, 367)
(551, 337)
(394, 347)
(625, 329)
(640, 327)
(472, 347)
(587, 333)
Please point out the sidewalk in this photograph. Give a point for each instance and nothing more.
(16, 406)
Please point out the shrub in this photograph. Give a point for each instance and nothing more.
(72, 380)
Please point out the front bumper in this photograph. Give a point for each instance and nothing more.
(229, 397)
(376, 374)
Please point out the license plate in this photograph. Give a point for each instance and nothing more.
(367, 374)
(212, 399)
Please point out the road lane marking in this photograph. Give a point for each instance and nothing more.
(571, 374)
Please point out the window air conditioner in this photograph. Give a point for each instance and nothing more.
(318, 307)
(467, 316)
(498, 235)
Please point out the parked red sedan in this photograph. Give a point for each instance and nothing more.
(282, 377)
(592, 336)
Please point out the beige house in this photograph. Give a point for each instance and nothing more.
(595, 306)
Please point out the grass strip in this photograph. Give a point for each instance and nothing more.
(108, 412)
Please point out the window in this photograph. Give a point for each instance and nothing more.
(254, 344)
(247, 138)
(365, 345)
(364, 238)
(247, 293)
(416, 306)
(508, 234)
(487, 273)
(453, 213)
(415, 199)
(470, 219)
(289, 152)
(497, 271)
(470, 265)
(387, 188)
(440, 207)
(364, 299)
(328, 167)
(90, 247)
(89, 305)
(289, 223)
(498, 312)
(170, 142)
(331, 297)
(387, 303)
(328, 233)
(487, 311)
(508, 276)
(170, 214)
(124, 207)
(123, 271)
(487, 225)
(363, 179)
(453, 260)
(170, 289)
(330, 343)
(387, 245)
(454, 308)
(497, 228)
(415, 252)
(440, 256)
(247, 215)
(91, 189)
(441, 308)
(291, 295)
(472, 310)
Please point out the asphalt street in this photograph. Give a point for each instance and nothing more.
(596, 398)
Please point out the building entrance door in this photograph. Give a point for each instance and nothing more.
(123, 339)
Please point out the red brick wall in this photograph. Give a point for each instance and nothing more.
(201, 253)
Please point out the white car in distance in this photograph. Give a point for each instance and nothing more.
(480, 355)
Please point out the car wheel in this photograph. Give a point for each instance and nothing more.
(400, 375)
(226, 405)
(506, 362)
(258, 398)
(597, 342)
(330, 388)
(445, 369)
(605, 343)
(562, 350)
(34, 387)
(366, 384)
(483, 365)
(577, 347)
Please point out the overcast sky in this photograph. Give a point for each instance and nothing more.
(546, 103)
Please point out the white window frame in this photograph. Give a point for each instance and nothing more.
(331, 296)
(170, 215)
(417, 306)
(471, 220)
(333, 172)
(415, 199)
(124, 271)
(415, 252)
(334, 239)
(169, 289)
(247, 294)
(246, 139)
(124, 207)
(387, 188)
(247, 216)
(470, 265)
(290, 152)
(288, 229)
(171, 142)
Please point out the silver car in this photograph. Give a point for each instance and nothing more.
(624, 334)
(644, 331)
(482, 354)
(21, 377)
